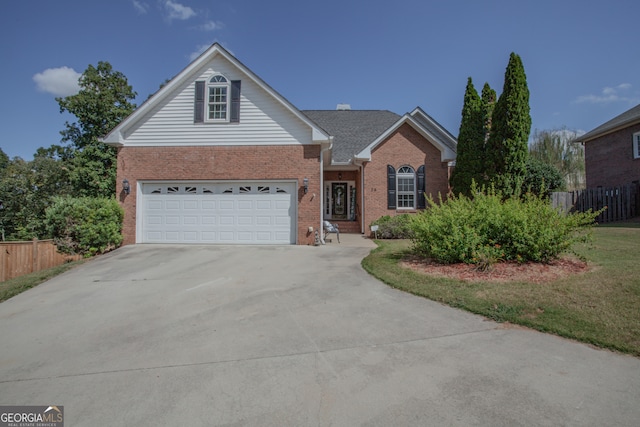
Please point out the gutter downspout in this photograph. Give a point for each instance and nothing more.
(360, 164)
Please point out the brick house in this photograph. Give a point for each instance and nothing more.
(612, 151)
(218, 156)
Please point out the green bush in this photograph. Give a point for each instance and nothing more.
(85, 225)
(394, 227)
(489, 228)
(542, 178)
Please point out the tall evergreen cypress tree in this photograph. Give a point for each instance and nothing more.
(469, 162)
(507, 146)
(488, 104)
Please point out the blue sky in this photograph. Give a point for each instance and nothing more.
(581, 57)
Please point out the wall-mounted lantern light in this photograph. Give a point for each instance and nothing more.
(125, 186)
(305, 184)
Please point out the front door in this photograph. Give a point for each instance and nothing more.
(339, 202)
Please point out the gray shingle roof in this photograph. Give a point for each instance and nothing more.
(352, 130)
(430, 124)
(629, 117)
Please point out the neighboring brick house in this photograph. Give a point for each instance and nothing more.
(218, 156)
(612, 151)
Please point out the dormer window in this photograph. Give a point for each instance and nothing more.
(217, 100)
(217, 105)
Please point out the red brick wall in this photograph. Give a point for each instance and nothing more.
(609, 160)
(404, 147)
(285, 162)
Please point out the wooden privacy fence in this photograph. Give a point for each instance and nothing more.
(621, 202)
(20, 258)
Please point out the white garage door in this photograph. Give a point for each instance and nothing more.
(218, 212)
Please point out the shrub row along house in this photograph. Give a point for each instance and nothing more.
(218, 156)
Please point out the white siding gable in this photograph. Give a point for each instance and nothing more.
(263, 119)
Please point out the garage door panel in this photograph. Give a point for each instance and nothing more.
(154, 219)
(227, 236)
(190, 220)
(190, 235)
(282, 205)
(281, 235)
(264, 236)
(245, 220)
(282, 220)
(227, 204)
(245, 236)
(208, 236)
(227, 220)
(245, 205)
(263, 220)
(203, 213)
(172, 236)
(263, 204)
(190, 204)
(172, 220)
(154, 235)
(208, 220)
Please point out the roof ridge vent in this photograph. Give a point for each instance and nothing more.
(343, 107)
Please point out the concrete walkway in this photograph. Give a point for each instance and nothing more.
(287, 336)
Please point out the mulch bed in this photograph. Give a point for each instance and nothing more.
(501, 272)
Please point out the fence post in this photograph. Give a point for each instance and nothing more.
(34, 263)
(3, 263)
(636, 198)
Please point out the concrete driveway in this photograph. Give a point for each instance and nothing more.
(287, 335)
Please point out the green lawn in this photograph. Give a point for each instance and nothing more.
(601, 307)
(13, 287)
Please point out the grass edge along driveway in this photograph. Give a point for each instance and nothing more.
(12, 287)
(599, 307)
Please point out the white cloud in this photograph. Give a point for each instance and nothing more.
(199, 50)
(620, 93)
(141, 7)
(62, 81)
(178, 11)
(211, 26)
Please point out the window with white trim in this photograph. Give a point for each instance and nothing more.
(636, 145)
(218, 99)
(406, 188)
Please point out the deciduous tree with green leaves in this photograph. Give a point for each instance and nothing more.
(103, 101)
(26, 189)
(557, 147)
(507, 146)
(4, 160)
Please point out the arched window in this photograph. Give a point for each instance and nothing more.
(217, 105)
(406, 188)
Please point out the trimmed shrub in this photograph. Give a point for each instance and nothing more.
(488, 229)
(85, 225)
(394, 227)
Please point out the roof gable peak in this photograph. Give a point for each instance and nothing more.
(190, 72)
